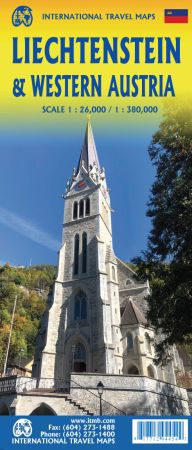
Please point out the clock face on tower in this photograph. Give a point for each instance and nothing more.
(82, 184)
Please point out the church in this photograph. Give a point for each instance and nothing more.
(97, 320)
(94, 330)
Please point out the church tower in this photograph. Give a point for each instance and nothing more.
(82, 332)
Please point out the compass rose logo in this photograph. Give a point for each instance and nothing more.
(22, 14)
(22, 426)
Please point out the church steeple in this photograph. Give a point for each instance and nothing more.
(89, 172)
(88, 156)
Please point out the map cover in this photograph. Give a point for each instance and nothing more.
(95, 224)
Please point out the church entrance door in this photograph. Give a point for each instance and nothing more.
(79, 366)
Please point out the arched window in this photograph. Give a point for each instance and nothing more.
(150, 371)
(113, 273)
(84, 309)
(133, 370)
(81, 208)
(77, 309)
(76, 255)
(80, 312)
(87, 208)
(129, 341)
(148, 343)
(84, 253)
(75, 210)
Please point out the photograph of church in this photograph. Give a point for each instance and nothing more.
(94, 352)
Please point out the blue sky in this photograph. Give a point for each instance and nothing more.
(34, 166)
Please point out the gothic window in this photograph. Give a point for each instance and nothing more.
(77, 309)
(84, 253)
(87, 208)
(148, 343)
(75, 210)
(113, 273)
(83, 309)
(129, 341)
(133, 370)
(80, 312)
(150, 371)
(76, 255)
(81, 208)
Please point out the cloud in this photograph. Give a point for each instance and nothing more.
(27, 229)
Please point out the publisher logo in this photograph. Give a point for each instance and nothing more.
(22, 14)
(22, 426)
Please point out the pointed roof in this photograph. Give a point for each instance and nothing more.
(132, 315)
(88, 154)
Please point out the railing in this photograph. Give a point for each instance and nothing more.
(8, 384)
(19, 384)
(15, 383)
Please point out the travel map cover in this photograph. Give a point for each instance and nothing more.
(95, 224)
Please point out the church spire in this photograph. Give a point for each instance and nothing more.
(88, 156)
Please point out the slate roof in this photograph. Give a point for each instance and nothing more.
(132, 315)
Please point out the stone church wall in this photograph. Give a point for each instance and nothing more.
(130, 395)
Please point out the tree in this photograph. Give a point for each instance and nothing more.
(167, 262)
(25, 283)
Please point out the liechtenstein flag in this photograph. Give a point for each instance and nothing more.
(176, 16)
